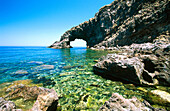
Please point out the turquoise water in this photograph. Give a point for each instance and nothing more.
(21, 59)
(68, 71)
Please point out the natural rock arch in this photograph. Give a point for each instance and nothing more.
(123, 22)
(85, 31)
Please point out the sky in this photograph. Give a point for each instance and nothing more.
(42, 22)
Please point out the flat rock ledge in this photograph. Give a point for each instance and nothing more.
(142, 64)
(119, 103)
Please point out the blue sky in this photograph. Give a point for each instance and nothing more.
(41, 22)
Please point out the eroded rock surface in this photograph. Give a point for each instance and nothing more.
(119, 103)
(122, 22)
(138, 63)
(122, 67)
(46, 102)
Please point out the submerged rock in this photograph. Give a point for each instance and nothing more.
(35, 62)
(8, 87)
(14, 87)
(45, 67)
(2, 70)
(70, 67)
(28, 93)
(21, 72)
(119, 103)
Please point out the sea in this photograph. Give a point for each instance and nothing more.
(19, 63)
(68, 71)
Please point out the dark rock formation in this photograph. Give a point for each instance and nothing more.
(7, 105)
(122, 22)
(118, 103)
(139, 63)
(121, 67)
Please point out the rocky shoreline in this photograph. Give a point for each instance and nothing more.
(142, 64)
(44, 99)
(137, 32)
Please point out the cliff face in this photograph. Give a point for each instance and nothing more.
(122, 22)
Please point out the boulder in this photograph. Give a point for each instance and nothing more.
(119, 103)
(46, 102)
(120, 67)
(44, 67)
(46, 99)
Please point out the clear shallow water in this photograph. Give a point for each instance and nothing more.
(13, 59)
(68, 71)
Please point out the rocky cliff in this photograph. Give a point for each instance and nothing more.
(122, 22)
(142, 41)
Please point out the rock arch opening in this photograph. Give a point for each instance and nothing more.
(78, 43)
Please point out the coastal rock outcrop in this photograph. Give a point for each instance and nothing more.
(146, 64)
(120, 66)
(123, 22)
(119, 103)
(46, 99)
(139, 28)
